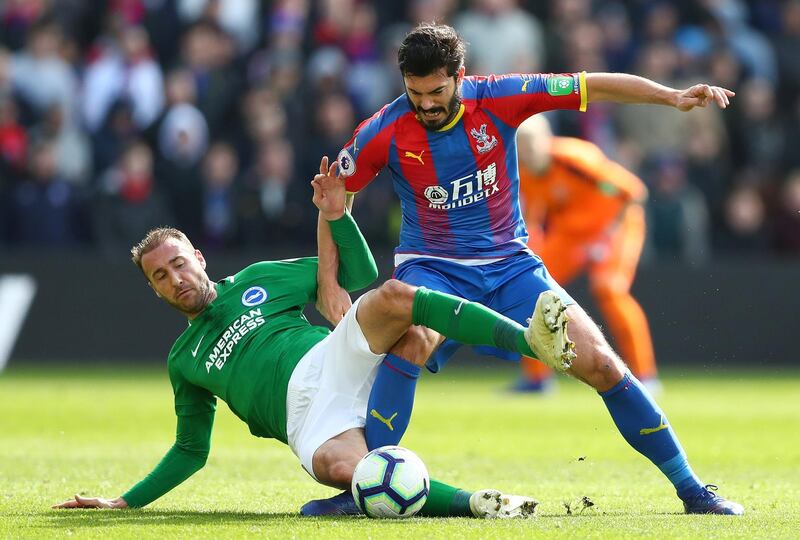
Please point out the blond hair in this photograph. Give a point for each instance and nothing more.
(153, 239)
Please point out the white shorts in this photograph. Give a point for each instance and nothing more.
(329, 389)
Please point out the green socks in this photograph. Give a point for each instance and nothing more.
(468, 322)
(446, 501)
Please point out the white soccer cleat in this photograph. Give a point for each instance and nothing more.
(547, 332)
(493, 504)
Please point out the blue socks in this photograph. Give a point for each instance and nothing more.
(391, 402)
(645, 427)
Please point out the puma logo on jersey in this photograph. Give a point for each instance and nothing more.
(648, 431)
(418, 157)
(525, 85)
(375, 414)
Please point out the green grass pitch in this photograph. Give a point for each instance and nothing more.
(96, 431)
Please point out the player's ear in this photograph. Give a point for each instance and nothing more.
(200, 258)
(460, 74)
(153, 288)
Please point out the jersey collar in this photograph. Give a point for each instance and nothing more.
(455, 119)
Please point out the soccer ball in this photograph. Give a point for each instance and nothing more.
(390, 482)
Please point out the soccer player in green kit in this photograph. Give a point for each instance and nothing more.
(249, 344)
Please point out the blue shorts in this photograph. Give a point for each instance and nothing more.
(510, 287)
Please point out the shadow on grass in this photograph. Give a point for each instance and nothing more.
(109, 518)
(87, 518)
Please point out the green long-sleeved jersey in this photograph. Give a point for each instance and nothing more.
(243, 349)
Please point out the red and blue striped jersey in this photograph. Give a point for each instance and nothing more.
(459, 186)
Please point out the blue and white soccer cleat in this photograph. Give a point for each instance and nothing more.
(547, 332)
(338, 505)
(706, 501)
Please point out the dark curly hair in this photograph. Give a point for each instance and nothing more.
(430, 47)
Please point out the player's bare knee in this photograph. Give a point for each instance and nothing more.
(334, 464)
(341, 470)
(396, 298)
(597, 364)
(601, 368)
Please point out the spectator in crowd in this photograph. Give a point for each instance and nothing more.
(208, 53)
(618, 45)
(787, 222)
(220, 213)
(745, 228)
(239, 19)
(331, 23)
(6, 86)
(751, 47)
(758, 136)
(182, 136)
(265, 120)
(564, 15)
(125, 71)
(13, 142)
(287, 23)
(46, 210)
(73, 152)
(503, 38)
(128, 202)
(41, 76)
(791, 131)
(787, 50)
(678, 221)
(18, 17)
(364, 54)
(707, 159)
(334, 121)
(274, 197)
(117, 131)
(281, 71)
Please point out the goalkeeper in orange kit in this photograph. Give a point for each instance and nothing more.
(584, 213)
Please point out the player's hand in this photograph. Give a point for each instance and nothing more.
(92, 502)
(329, 191)
(332, 302)
(701, 95)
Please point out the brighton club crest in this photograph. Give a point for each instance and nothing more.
(485, 142)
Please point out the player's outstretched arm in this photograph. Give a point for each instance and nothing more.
(627, 88)
(92, 502)
(357, 269)
(187, 456)
(332, 299)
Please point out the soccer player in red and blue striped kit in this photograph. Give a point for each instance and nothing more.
(449, 143)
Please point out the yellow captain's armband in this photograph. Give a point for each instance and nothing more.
(584, 96)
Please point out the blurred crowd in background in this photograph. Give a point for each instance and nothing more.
(212, 115)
